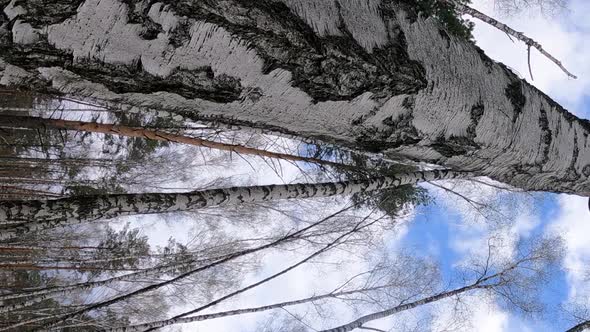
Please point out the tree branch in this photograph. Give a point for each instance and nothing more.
(464, 9)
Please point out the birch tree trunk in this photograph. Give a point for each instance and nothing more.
(39, 215)
(370, 75)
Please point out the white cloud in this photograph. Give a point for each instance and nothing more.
(573, 224)
(492, 217)
(474, 314)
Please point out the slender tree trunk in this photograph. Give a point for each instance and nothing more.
(482, 283)
(68, 211)
(184, 320)
(274, 276)
(370, 75)
(392, 311)
(54, 291)
(35, 267)
(60, 261)
(157, 135)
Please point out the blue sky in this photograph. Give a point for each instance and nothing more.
(431, 234)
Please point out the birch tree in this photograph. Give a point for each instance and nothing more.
(34, 216)
(378, 76)
(580, 327)
(365, 75)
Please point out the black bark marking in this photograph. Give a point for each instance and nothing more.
(5, 26)
(515, 95)
(409, 102)
(327, 68)
(454, 146)
(546, 135)
(198, 83)
(461, 145)
(572, 173)
(476, 115)
(200, 201)
(138, 14)
(42, 12)
(395, 133)
(361, 119)
(332, 188)
(181, 34)
(31, 57)
(267, 192)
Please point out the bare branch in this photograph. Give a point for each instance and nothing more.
(464, 9)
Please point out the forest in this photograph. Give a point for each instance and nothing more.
(294, 165)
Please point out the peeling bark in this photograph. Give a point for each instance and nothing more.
(360, 74)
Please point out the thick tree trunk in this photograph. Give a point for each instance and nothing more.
(370, 75)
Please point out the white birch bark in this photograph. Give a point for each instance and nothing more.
(370, 75)
(68, 211)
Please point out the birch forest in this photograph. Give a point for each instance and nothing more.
(288, 166)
